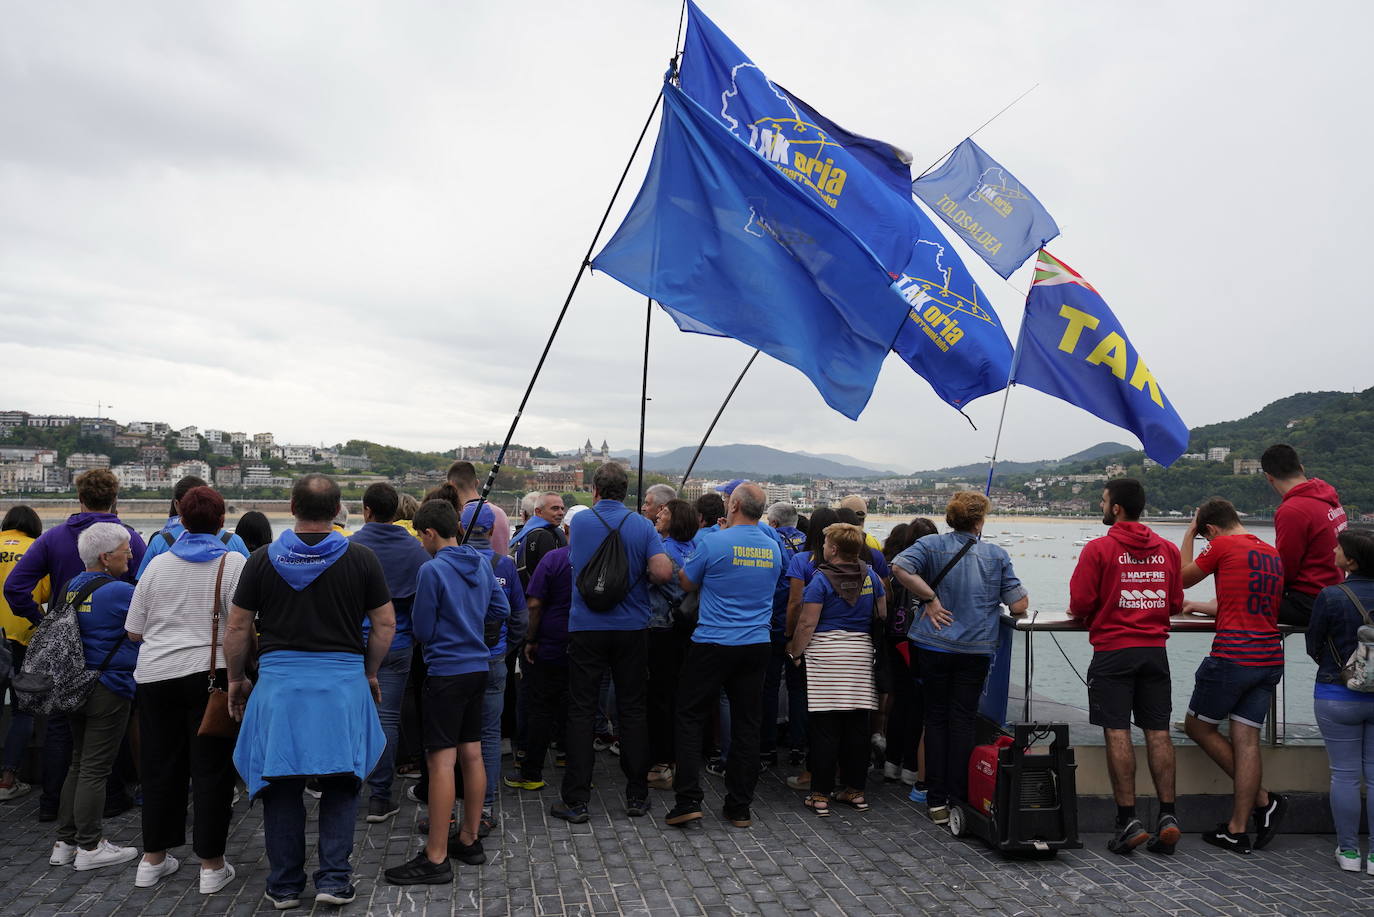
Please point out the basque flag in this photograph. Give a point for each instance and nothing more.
(1072, 347)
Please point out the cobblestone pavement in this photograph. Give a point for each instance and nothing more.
(888, 860)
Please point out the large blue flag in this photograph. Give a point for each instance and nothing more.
(987, 207)
(952, 338)
(1072, 347)
(729, 246)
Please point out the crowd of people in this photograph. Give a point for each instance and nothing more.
(434, 637)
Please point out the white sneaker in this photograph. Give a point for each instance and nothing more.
(149, 874)
(62, 854)
(1369, 864)
(1348, 860)
(104, 854)
(14, 790)
(212, 880)
(891, 771)
(909, 777)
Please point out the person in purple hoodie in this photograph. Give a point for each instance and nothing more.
(54, 554)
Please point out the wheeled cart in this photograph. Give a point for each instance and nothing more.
(1028, 804)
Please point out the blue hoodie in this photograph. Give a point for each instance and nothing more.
(157, 544)
(455, 594)
(101, 619)
(508, 578)
(401, 557)
(54, 554)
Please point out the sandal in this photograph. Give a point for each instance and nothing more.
(853, 798)
(818, 804)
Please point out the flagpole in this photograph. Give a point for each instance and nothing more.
(693, 463)
(975, 130)
(562, 313)
(644, 400)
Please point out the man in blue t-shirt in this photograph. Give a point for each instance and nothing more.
(615, 641)
(736, 569)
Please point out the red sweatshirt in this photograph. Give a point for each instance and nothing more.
(1305, 528)
(1125, 587)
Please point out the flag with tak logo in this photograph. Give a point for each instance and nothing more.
(1072, 347)
(952, 336)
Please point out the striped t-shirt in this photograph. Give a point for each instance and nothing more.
(1249, 581)
(173, 608)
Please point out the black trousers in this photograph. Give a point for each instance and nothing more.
(952, 683)
(173, 757)
(546, 692)
(740, 670)
(591, 654)
(667, 649)
(906, 719)
(839, 741)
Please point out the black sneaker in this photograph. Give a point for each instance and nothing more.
(1269, 819)
(1236, 843)
(637, 806)
(683, 814)
(472, 854)
(796, 757)
(716, 767)
(339, 896)
(1128, 837)
(768, 759)
(574, 814)
(740, 818)
(420, 871)
(379, 809)
(1167, 834)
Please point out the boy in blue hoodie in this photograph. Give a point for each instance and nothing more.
(458, 607)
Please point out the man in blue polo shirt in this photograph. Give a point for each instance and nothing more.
(736, 570)
(615, 640)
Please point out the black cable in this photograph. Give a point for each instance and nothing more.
(1066, 657)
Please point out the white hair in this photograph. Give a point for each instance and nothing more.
(783, 514)
(529, 503)
(660, 493)
(341, 517)
(100, 538)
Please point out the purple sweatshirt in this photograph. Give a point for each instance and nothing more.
(54, 554)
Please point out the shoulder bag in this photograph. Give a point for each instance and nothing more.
(217, 723)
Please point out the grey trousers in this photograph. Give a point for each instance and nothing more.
(97, 729)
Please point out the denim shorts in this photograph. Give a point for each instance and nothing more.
(1228, 689)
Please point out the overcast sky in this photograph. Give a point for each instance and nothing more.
(338, 220)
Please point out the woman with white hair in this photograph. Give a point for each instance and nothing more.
(98, 725)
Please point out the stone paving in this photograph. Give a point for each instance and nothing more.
(888, 860)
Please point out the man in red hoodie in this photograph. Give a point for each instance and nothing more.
(1305, 527)
(1125, 588)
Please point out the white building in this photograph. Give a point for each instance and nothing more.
(188, 442)
(251, 452)
(298, 455)
(1218, 453)
(256, 476)
(263, 439)
(238, 439)
(213, 436)
(85, 461)
(189, 468)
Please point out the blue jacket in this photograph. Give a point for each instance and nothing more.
(1334, 616)
(101, 618)
(157, 544)
(401, 557)
(455, 594)
(508, 578)
(973, 591)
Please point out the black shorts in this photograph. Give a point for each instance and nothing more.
(453, 709)
(1133, 680)
(1296, 608)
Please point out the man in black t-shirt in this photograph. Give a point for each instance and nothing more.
(310, 714)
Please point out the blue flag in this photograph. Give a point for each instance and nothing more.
(729, 246)
(987, 207)
(1072, 347)
(952, 338)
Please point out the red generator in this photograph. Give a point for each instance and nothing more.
(1022, 795)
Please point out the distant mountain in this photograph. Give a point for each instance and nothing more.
(847, 460)
(747, 460)
(981, 469)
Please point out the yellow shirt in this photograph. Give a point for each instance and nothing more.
(872, 542)
(406, 524)
(13, 544)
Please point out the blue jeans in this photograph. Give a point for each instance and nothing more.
(1347, 726)
(391, 677)
(493, 703)
(283, 823)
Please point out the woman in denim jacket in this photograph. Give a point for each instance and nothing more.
(956, 637)
(1345, 717)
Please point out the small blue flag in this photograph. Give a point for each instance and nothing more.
(728, 245)
(1072, 347)
(953, 338)
(987, 207)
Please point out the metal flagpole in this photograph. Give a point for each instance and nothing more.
(644, 400)
(976, 130)
(692, 464)
(581, 269)
(1011, 377)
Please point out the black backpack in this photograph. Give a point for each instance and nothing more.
(605, 580)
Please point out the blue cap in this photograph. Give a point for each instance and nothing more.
(486, 520)
(729, 488)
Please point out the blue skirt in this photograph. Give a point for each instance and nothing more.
(310, 715)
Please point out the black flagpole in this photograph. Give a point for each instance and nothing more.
(692, 464)
(581, 269)
(644, 400)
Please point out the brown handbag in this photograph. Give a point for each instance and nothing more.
(217, 722)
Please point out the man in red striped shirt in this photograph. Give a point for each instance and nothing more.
(1238, 679)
